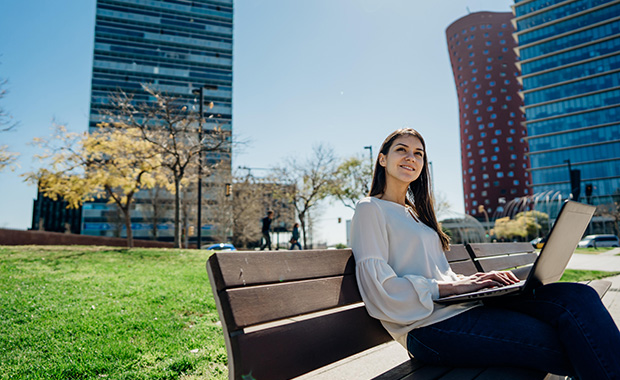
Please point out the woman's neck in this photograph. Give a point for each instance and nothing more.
(394, 194)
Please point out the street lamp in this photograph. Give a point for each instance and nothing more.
(200, 93)
(369, 147)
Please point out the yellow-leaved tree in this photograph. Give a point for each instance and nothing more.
(107, 163)
(176, 133)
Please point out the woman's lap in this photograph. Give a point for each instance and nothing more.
(486, 336)
(559, 328)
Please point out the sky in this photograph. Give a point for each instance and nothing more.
(343, 73)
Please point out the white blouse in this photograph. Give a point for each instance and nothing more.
(398, 263)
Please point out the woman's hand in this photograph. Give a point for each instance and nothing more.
(477, 281)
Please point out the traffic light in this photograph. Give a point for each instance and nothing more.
(589, 188)
(339, 220)
(575, 184)
(228, 189)
(191, 231)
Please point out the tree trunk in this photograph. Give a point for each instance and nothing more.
(302, 221)
(128, 225)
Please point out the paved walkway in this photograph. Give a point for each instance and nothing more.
(389, 355)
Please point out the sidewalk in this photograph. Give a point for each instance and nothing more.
(391, 354)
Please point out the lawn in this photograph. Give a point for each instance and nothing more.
(593, 250)
(113, 313)
(100, 312)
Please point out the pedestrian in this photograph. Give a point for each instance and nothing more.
(562, 328)
(295, 237)
(266, 230)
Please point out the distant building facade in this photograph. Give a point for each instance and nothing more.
(570, 64)
(54, 215)
(173, 46)
(493, 149)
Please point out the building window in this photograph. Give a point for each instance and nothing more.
(484, 159)
(500, 174)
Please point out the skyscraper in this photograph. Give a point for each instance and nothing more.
(174, 46)
(493, 160)
(570, 63)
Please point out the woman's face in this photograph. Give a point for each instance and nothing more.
(404, 161)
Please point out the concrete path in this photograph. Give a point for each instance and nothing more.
(380, 359)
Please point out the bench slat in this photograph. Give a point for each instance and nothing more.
(507, 373)
(255, 268)
(601, 286)
(427, 372)
(479, 250)
(266, 303)
(463, 267)
(507, 262)
(457, 252)
(291, 350)
(400, 371)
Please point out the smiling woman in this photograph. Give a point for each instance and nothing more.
(401, 272)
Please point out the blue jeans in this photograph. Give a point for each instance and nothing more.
(562, 328)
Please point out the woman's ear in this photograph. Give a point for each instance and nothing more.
(382, 159)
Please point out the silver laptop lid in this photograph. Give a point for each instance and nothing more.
(562, 241)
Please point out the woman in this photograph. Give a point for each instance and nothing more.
(401, 268)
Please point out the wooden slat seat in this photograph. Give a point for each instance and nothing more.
(287, 313)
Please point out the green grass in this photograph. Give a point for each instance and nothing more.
(592, 250)
(574, 275)
(111, 313)
(98, 312)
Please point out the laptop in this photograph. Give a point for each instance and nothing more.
(549, 267)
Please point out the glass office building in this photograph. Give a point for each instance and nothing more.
(175, 47)
(493, 150)
(570, 64)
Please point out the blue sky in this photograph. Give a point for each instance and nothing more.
(341, 72)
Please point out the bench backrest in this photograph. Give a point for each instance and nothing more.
(286, 313)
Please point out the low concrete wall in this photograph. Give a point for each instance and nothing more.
(21, 237)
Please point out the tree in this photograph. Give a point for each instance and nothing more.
(172, 130)
(107, 163)
(7, 159)
(352, 181)
(247, 209)
(312, 180)
(611, 209)
(525, 225)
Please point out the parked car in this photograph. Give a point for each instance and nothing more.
(597, 241)
(220, 247)
(539, 242)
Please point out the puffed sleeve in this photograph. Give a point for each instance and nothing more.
(388, 297)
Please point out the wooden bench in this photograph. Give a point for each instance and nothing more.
(287, 313)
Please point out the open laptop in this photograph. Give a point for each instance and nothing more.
(552, 260)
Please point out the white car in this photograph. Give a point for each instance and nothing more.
(597, 241)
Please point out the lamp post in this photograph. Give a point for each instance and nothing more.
(369, 147)
(200, 93)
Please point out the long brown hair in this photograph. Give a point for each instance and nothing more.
(419, 196)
